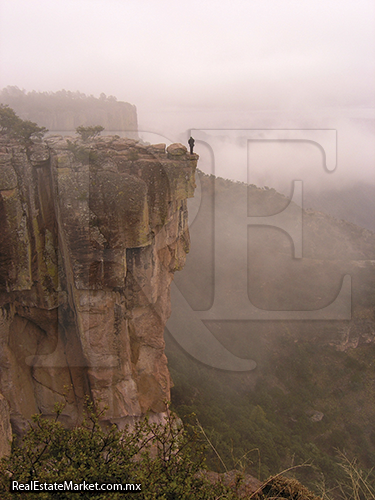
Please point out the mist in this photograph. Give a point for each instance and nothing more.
(277, 163)
(289, 300)
(250, 65)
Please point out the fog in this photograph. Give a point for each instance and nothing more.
(275, 163)
(283, 302)
(193, 65)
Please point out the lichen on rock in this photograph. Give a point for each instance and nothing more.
(91, 234)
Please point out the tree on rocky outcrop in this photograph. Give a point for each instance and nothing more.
(8, 119)
(13, 125)
(27, 130)
(89, 132)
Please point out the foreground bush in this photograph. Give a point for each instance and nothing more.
(164, 459)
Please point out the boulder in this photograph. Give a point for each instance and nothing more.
(176, 149)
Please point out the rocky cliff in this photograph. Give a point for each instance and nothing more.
(90, 236)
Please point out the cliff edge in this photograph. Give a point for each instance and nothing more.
(91, 234)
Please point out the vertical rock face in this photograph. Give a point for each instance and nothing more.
(90, 236)
(5, 428)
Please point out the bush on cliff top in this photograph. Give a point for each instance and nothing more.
(13, 125)
(89, 132)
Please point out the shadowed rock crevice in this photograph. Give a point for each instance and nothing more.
(91, 234)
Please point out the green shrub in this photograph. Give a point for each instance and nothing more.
(166, 459)
(13, 125)
(89, 132)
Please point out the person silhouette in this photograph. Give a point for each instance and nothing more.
(191, 143)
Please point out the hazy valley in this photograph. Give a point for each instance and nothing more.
(312, 391)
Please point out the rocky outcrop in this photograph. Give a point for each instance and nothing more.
(91, 234)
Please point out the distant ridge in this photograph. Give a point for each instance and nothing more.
(354, 203)
(65, 111)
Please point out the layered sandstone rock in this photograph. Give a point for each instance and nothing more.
(90, 236)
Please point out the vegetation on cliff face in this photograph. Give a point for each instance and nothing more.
(166, 461)
(269, 421)
(312, 392)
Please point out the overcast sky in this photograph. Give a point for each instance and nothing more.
(198, 64)
(258, 53)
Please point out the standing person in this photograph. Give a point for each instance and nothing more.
(191, 143)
